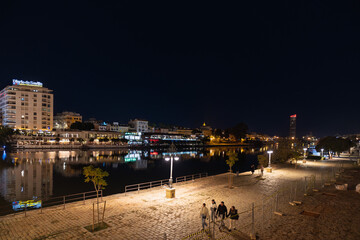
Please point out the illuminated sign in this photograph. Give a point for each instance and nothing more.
(20, 205)
(27, 83)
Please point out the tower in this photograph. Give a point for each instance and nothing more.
(292, 126)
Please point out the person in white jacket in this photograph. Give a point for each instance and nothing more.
(204, 214)
(213, 210)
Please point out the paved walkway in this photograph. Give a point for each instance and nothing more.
(149, 215)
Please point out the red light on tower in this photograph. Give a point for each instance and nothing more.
(293, 116)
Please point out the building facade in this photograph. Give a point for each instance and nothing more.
(139, 125)
(292, 133)
(64, 120)
(27, 105)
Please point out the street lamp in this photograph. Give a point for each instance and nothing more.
(170, 192)
(322, 152)
(171, 158)
(269, 152)
(304, 152)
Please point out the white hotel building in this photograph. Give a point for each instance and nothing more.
(27, 105)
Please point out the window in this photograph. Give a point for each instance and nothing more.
(35, 113)
(35, 105)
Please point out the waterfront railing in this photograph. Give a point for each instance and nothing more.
(190, 177)
(164, 182)
(22, 207)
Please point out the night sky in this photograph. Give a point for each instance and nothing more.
(183, 63)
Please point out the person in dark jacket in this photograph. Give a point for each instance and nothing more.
(233, 216)
(221, 211)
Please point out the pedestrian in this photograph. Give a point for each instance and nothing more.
(262, 170)
(213, 210)
(233, 216)
(252, 169)
(204, 214)
(221, 211)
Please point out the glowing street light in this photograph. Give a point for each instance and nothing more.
(171, 158)
(269, 152)
(305, 152)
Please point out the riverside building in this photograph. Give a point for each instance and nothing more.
(64, 120)
(27, 105)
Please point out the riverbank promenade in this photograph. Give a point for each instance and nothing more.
(149, 215)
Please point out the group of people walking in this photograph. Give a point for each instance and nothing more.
(218, 211)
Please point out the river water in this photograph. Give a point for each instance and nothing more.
(34, 174)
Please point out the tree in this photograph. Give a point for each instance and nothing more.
(6, 135)
(286, 150)
(80, 140)
(232, 158)
(82, 126)
(57, 139)
(263, 160)
(96, 176)
(335, 144)
(91, 140)
(239, 131)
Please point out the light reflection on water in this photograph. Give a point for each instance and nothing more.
(27, 175)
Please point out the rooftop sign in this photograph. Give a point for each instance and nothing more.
(27, 83)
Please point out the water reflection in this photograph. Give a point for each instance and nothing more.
(29, 174)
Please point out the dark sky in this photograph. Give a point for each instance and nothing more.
(183, 63)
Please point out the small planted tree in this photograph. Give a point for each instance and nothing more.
(96, 176)
(263, 160)
(233, 157)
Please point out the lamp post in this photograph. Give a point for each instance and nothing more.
(269, 167)
(322, 152)
(170, 192)
(171, 158)
(304, 161)
(304, 152)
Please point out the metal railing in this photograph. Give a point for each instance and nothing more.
(55, 201)
(160, 183)
(146, 185)
(190, 177)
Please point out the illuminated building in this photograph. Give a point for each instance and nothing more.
(292, 126)
(64, 120)
(139, 125)
(27, 105)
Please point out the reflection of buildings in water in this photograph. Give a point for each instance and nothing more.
(67, 170)
(27, 181)
(141, 164)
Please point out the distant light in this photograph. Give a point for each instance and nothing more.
(304, 149)
(167, 159)
(270, 152)
(176, 158)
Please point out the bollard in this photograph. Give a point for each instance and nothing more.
(262, 223)
(84, 197)
(64, 201)
(253, 236)
(25, 208)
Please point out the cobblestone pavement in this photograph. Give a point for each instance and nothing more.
(149, 215)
